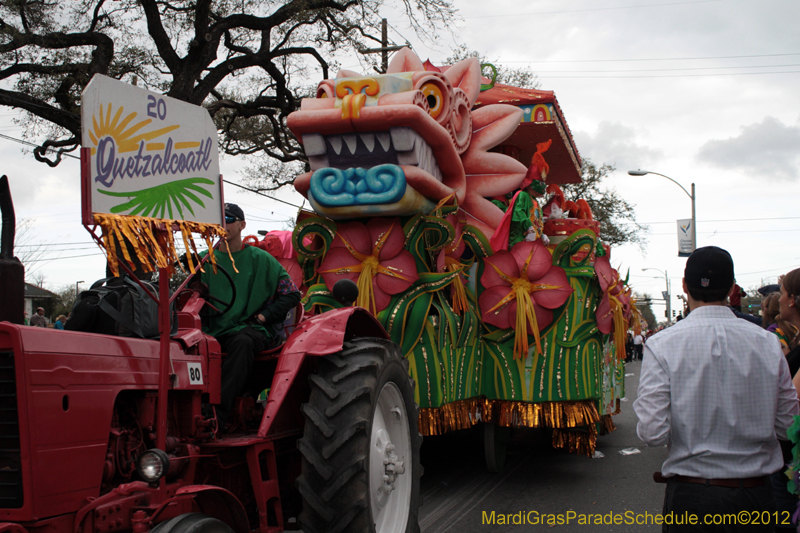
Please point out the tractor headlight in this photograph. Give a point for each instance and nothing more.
(152, 465)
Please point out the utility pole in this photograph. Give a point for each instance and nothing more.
(385, 48)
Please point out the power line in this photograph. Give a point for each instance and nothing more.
(673, 76)
(261, 194)
(668, 69)
(646, 59)
(68, 257)
(591, 9)
(771, 219)
(745, 231)
(32, 144)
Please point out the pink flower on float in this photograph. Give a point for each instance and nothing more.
(614, 306)
(374, 258)
(449, 260)
(521, 289)
(610, 285)
(295, 272)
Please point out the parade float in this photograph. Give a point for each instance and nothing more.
(437, 192)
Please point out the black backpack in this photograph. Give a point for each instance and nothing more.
(118, 306)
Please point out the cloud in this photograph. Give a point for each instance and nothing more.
(769, 149)
(616, 144)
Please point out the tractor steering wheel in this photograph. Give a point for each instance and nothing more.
(222, 307)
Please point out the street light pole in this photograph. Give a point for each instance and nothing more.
(77, 283)
(690, 195)
(669, 294)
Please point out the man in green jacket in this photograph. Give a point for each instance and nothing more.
(264, 296)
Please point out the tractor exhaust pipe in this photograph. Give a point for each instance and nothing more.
(12, 273)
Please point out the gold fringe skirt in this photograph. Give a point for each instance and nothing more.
(574, 423)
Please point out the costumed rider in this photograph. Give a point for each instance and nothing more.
(264, 296)
(523, 219)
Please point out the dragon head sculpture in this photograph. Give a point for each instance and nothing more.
(396, 144)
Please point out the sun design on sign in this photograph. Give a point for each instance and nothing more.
(126, 136)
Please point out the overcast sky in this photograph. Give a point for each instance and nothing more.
(704, 91)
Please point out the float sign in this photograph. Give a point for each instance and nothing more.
(151, 155)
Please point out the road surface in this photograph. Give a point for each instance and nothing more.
(459, 495)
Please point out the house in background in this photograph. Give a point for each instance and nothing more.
(42, 297)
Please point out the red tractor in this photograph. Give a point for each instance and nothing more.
(106, 434)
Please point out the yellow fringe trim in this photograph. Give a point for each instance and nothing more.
(577, 442)
(464, 414)
(573, 423)
(607, 425)
(453, 416)
(153, 247)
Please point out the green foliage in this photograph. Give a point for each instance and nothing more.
(617, 217)
(645, 305)
(516, 77)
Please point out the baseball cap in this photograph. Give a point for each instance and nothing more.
(769, 289)
(709, 268)
(233, 210)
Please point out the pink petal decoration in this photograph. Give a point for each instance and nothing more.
(606, 274)
(506, 263)
(335, 259)
(356, 234)
(405, 61)
(605, 318)
(466, 75)
(394, 242)
(499, 317)
(403, 264)
(292, 268)
(553, 298)
(381, 298)
(543, 317)
(541, 259)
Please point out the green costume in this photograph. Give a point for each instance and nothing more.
(261, 281)
(520, 217)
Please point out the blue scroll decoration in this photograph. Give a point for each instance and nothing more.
(383, 184)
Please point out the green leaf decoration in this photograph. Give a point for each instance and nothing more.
(426, 235)
(564, 253)
(315, 227)
(477, 241)
(158, 201)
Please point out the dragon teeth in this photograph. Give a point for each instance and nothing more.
(403, 138)
(385, 140)
(369, 140)
(351, 141)
(336, 143)
(314, 144)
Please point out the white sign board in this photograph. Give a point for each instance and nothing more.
(151, 155)
(685, 248)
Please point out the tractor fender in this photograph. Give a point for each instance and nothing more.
(320, 335)
(9, 527)
(327, 332)
(217, 503)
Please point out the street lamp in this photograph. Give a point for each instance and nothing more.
(690, 195)
(76, 288)
(668, 295)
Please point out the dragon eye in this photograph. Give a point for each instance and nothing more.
(433, 94)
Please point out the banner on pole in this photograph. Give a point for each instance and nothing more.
(151, 155)
(685, 248)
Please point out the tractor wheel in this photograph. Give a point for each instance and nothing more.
(495, 442)
(360, 447)
(192, 523)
